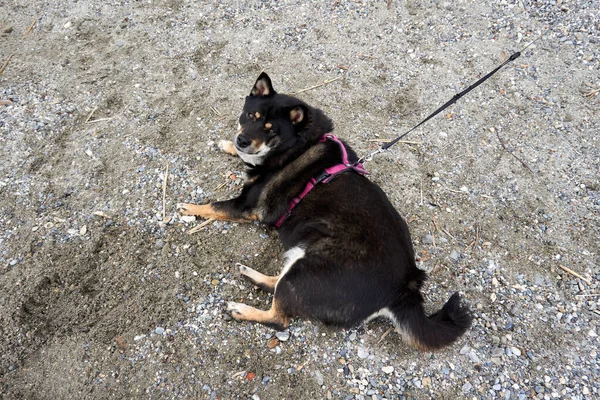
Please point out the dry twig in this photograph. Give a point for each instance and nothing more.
(437, 228)
(199, 227)
(238, 374)
(99, 120)
(30, 27)
(384, 335)
(575, 274)
(5, 64)
(101, 214)
(511, 153)
(164, 188)
(448, 233)
(592, 93)
(319, 85)
(90, 116)
(222, 185)
(474, 242)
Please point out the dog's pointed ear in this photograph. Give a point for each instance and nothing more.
(263, 86)
(298, 114)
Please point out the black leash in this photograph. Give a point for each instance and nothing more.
(447, 104)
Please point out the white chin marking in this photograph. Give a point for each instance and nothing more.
(291, 256)
(256, 158)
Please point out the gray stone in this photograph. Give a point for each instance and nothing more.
(362, 352)
(515, 351)
(319, 378)
(427, 239)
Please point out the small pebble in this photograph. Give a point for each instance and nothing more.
(388, 370)
(363, 352)
(319, 378)
(427, 239)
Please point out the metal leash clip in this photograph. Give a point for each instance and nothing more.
(369, 156)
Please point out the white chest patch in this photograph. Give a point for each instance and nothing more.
(291, 256)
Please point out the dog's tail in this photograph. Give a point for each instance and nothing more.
(436, 331)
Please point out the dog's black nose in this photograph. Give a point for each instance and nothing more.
(242, 142)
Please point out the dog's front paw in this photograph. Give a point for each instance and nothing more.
(226, 146)
(243, 269)
(185, 209)
(238, 310)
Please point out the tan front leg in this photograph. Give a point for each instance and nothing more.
(208, 211)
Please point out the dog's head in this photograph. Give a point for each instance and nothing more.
(274, 125)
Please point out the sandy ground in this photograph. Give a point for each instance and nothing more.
(103, 294)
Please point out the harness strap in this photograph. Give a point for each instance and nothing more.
(325, 176)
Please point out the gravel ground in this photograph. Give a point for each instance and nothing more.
(103, 296)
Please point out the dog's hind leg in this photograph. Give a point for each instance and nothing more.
(266, 283)
(227, 147)
(273, 318)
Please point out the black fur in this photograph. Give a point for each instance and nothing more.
(358, 256)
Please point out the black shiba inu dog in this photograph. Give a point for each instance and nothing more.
(349, 255)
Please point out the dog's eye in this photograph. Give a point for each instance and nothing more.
(270, 129)
(250, 115)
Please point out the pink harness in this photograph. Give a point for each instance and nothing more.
(326, 176)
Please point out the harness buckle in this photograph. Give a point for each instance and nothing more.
(324, 175)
